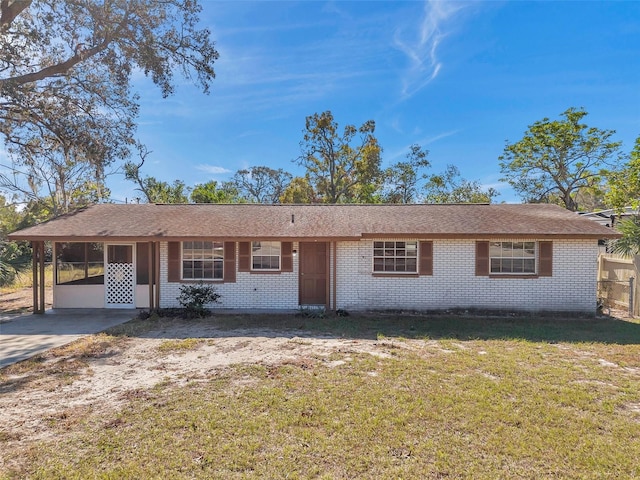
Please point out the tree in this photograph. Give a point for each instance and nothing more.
(450, 187)
(401, 179)
(261, 184)
(338, 171)
(209, 192)
(9, 217)
(67, 106)
(155, 191)
(299, 190)
(555, 159)
(624, 184)
(14, 257)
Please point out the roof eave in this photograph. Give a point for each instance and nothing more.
(426, 235)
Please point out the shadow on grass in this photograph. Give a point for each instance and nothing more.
(374, 325)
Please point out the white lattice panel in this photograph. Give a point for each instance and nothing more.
(120, 284)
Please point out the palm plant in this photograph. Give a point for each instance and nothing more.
(629, 244)
(13, 259)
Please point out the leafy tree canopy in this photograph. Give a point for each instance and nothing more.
(210, 192)
(67, 106)
(299, 190)
(624, 184)
(450, 187)
(9, 218)
(341, 167)
(155, 191)
(402, 178)
(13, 256)
(261, 184)
(557, 158)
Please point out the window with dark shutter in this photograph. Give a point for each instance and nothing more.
(545, 252)
(395, 257)
(482, 259)
(174, 262)
(426, 258)
(229, 262)
(287, 256)
(244, 256)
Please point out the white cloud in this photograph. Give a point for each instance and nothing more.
(421, 45)
(435, 138)
(213, 169)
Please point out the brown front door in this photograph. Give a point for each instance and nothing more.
(313, 273)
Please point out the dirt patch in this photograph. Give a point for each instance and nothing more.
(21, 300)
(46, 396)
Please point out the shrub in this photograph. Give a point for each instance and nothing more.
(193, 299)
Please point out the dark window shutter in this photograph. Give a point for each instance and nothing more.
(545, 259)
(286, 251)
(426, 258)
(244, 256)
(230, 262)
(482, 259)
(174, 262)
(142, 263)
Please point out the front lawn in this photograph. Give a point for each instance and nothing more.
(427, 397)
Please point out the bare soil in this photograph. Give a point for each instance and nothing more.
(98, 375)
(21, 300)
(54, 393)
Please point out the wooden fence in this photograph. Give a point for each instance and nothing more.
(618, 282)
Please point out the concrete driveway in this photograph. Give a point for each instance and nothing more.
(23, 336)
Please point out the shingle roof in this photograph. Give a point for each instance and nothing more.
(244, 221)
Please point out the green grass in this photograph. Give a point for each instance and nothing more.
(180, 345)
(24, 279)
(467, 398)
(437, 326)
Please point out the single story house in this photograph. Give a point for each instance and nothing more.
(355, 257)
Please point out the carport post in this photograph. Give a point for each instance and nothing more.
(41, 255)
(34, 275)
(631, 293)
(38, 276)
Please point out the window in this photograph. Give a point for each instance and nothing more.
(517, 258)
(202, 260)
(79, 263)
(395, 257)
(265, 255)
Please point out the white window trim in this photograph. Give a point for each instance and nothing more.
(373, 258)
(536, 259)
(267, 269)
(213, 260)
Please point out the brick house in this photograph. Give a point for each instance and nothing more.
(353, 257)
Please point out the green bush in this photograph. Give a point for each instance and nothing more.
(193, 299)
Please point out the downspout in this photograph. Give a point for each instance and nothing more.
(157, 273)
(150, 258)
(335, 273)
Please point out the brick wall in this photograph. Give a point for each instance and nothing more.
(453, 284)
(251, 290)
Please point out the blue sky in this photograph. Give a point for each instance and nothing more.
(458, 78)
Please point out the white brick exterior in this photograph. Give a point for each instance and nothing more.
(452, 285)
(250, 291)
